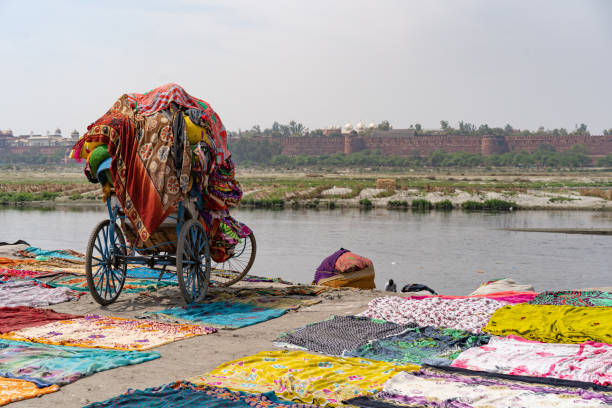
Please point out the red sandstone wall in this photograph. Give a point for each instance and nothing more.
(596, 145)
(293, 146)
(423, 144)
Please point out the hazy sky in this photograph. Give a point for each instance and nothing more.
(529, 63)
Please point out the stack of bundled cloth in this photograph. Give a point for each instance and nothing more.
(155, 149)
(344, 268)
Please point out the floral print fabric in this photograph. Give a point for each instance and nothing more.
(462, 314)
(421, 345)
(108, 332)
(574, 298)
(12, 390)
(303, 377)
(553, 324)
(588, 362)
(435, 388)
(185, 394)
(45, 364)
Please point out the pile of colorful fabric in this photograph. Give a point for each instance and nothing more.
(344, 268)
(155, 149)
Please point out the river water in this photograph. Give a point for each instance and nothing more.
(450, 252)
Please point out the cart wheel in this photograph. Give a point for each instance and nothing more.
(193, 261)
(104, 269)
(235, 268)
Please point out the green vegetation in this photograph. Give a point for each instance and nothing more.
(263, 203)
(489, 205)
(421, 205)
(444, 205)
(7, 197)
(365, 203)
(247, 152)
(75, 196)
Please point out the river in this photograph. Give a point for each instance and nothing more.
(451, 252)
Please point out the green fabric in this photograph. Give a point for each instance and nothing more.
(96, 158)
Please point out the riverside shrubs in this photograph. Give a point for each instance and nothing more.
(421, 205)
(489, 205)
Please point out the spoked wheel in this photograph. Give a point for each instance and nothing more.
(193, 262)
(104, 267)
(235, 268)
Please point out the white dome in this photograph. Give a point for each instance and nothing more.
(360, 126)
(372, 125)
(347, 128)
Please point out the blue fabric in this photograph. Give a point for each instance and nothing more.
(55, 254)
(148, 273)
(185, 394)
(221, 314)
(45, 364)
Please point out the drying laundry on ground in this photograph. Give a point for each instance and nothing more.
(12, 390)
(108, 332)
(30, 293)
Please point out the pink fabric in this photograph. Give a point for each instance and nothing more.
(588, 362)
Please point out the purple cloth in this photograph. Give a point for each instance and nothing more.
(327, 268)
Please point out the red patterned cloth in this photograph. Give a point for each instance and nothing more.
(19, 317)
(161, 97)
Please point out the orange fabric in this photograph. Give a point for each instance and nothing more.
(363, 279)
(9, 261)
(12, 390)
(350, 261)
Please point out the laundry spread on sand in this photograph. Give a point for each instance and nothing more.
(79, 283)
(508, 296)
(340, 333)
(108, 332)
(12, 390)
(587, 362)
(433, 387)
(9, 262)
(421, 345)
(299, 376)
(226, 314)
(462, 314)
(574, 298)
(46, 365)
(23, 273)
(29, 293)
(62, 254)
(185, 394)
(553, 324)
(19, 317)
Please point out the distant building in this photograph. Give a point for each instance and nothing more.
(75, 136)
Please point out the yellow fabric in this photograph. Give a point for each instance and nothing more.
(88, 148)
(363, 279)
(195, 133)
(303, 377)
(553, 324)
(12, 390)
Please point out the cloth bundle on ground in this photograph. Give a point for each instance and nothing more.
(344, 268)
(303, 377)
(185, 394)
(46, 365)
(553, 324)
(501, 285)
(30, 293)
(339, 334)
(12, 390)
(20, 317)
(588, 362)
(574, 298)
(470, 314)
(420, 345)
(456, 388)
(108, 332)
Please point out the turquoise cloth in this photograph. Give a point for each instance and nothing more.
(231, 315)
(53, 254)
(185, 394)
(142, 272)
(45, 364)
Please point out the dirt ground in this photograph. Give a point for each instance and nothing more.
(189, 357)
